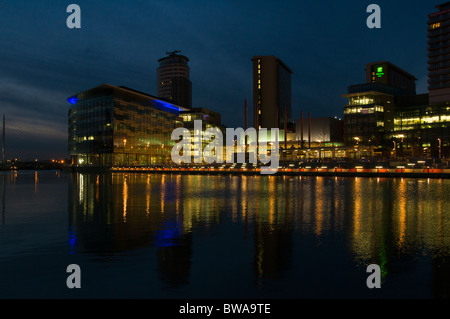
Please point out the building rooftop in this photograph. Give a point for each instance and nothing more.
(172, 55)
(375, 88)
(443, 6)
(200, 110)
(394, 67)
(74, 98)
(278, 59)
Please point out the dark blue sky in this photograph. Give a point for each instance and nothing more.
(326, 44)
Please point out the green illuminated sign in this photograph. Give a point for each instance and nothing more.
(380, 71)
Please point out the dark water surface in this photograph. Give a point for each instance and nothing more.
(192, 236)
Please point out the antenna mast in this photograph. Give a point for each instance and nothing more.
(171, 53)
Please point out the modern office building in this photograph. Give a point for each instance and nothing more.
(210, 119)
(118, 126)
(271, 92)
(386, 113)
(421, 129)
(421, 126)
(386, 73)
(368, 115)
(173, 80)
(439, 54)
(370, 111)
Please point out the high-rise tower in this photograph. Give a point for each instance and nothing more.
(439, 54)
(271, 92)
(173, 83)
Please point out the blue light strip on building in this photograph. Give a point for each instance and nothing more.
(165, 106)
(72, 100)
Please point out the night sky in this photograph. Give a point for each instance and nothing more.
(325, 43)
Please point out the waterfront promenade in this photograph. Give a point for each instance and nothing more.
(358, 171)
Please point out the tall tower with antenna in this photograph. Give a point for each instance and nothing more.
(173, 80)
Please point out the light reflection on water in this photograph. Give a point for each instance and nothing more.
(229, 236)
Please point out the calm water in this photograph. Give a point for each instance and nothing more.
(188, 236)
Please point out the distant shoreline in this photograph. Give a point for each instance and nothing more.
(334, 172)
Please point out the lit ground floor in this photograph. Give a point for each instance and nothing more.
(290, 154)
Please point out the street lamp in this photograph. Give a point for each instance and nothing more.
(440, 148)
(320, 151)
(401, 145)
(356, 138)
(395, 149)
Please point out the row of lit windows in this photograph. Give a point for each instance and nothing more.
(407, 121)
(422, 127)
(361, 101)
(84, 138)
(364, 110)
(191, 117)
(259, 86)
(424, 120)
(435, 25)
(436, 119)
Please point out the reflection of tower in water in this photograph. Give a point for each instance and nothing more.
(114, 213)
(173, 241)
(174, 257)
(440, 285)
(402, 217)
(272, 234)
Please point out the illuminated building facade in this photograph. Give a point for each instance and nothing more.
(422, 130)
(370, 111)
(173, 80)
(431, 122)
(368, 116)
(210, 119)
(386, 113)
(117, 126)
(271, 92)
